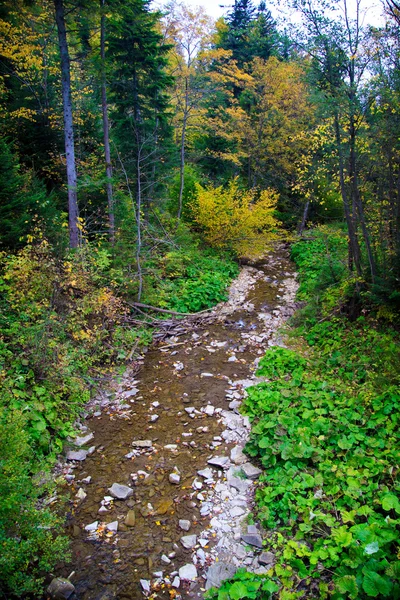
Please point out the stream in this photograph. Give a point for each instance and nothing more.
(166, 530)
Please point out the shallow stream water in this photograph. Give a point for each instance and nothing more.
(189, 372)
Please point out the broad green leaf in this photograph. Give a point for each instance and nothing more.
(374, 585)
(238, 591)
(391, 502)
(347, 584)
(371, 548)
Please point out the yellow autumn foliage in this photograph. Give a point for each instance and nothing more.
(236, 219)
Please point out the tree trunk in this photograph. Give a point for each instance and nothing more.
(139, 224)
(182, 163)
(354, 247)
(73, 214)
(304, 219)
(106, 127)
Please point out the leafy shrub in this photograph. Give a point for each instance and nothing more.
(244, 585)
(242, 221)
(190, 280)
(29, 532)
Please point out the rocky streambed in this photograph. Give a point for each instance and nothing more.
(160, 489)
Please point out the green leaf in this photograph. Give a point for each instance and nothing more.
(391, 502)
(270, 586)
(371, 548)
(347, 584)
(375, 585)
(238, 591)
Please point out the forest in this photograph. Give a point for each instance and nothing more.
(146, 156)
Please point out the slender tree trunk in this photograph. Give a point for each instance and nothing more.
(106, 127)
(304, 219)
(73, 214)
(183, 139)
(354, 248)
(139, 224)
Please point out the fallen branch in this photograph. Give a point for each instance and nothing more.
(169, 312)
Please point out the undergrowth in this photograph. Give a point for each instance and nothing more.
(325, 429)
(64, 329)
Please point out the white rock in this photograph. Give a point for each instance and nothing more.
(81, 494)
(176, 582)
(145, 583)
(174, 478)
(165, 559)
(188, 572)
(189, 541)
(209, 410)
(112, 526)
(92, 526)
(184, 524)
(122, 492)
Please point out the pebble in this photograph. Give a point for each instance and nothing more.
(92, 526)
(266, 558)
(184, 524)
(130, 518)
(76, 455)
(206, 473)
(113, 526)
(142, 444)
(102, 510)
(188, 572)
(174, 478)
(81, 494)
(154, 418)
(237, 455)
(176, 582)
(86, 479)
(253, 540)
(60, 589)
(251, 471)
(82, 441)
(189, 541)
(165, 559)
(145, 583)
(119, 491)
(209, 410)
(221, 462)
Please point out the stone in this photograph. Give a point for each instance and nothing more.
(60, 589)
(174, 478)
(252, 529)
(142, 444)
(221, 462)
(102, 510)
(130, 393)
(171, 447)
(209, 410)
(145, 583)
(218, 572)
(241, 485)
(251, 471)
(83, 440)
(188, 572)
(130, 518)
(176, 582)
(237, 455)
(112, 526)
(184, 524)
(165, 559)
(236, 511)
(92, 526)
(87, 479)
(190, 409)
(119, 491)
(81, 494)
(154, 418)
(206, 473)
(266, 558)
(76, 454)
(254, 539)
(189, 541)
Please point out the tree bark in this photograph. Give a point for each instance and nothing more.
(106, 127)
(73, 213)
(183, 138)
(354, 247)
(304, 219)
